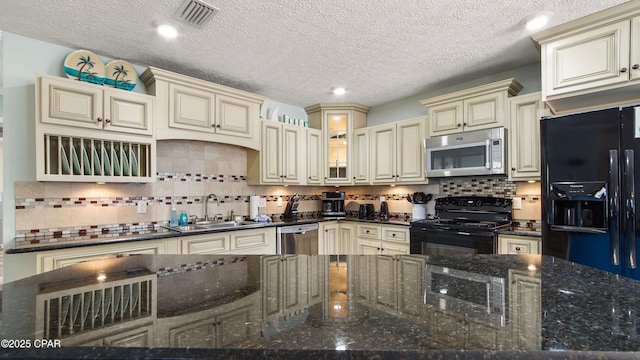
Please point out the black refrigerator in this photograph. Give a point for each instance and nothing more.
(589, 188)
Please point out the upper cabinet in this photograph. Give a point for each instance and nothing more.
(396, 152)
(593, 61)
(361, 156)
(87, 132)
(524, 136)
(337, 122)
(79, 104)
(481, 107)
(314, 156)
(281, 156)
(194, 109)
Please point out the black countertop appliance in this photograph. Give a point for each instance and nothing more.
(366, 211)
(333, 203)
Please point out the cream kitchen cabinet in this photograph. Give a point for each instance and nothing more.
(79, 104)
(593, 61)
(336, 238)
(515, 244)
(361, 152)
(382, 239)
(477, 108)
(396, 152)
(56, 259)
(524, 137)
(314, 156)
(194, 109)
(281, 157)
(216, 243)
(89, 133)
(242, 242)
(337, 121)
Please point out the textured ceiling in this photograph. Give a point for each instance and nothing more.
(296, 51)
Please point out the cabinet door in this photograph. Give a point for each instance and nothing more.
(337, 156)
(360, 163)
(191, 108)
(635, 48)
(292, 153)
(258, 241)
(271, 154)
(484, 111)
(587, 60)
(236, 117)
(524, 137)
(70, 103)
(128, 112)
(346, 236)
(314, 156)
(409, 154)
(367, 247)
(205, 244)
(383, 148)
(445, 118)
(329, 245)
(390, 248)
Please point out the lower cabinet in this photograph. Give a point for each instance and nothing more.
(516, 244)
(55, 259)
(382, 240)
(241, 242)
(336, 237)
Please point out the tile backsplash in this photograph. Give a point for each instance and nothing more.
(189, 170)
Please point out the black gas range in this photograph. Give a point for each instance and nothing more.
(463, 225)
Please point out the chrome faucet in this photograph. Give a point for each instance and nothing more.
(206, 205)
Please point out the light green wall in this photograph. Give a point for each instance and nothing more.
(528, 76)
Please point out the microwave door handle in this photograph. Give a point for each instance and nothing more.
(630, 211)
(487, 154)
(614, 239)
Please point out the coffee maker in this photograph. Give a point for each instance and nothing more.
(333, 203)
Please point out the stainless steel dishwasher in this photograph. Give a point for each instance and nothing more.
(297, 239)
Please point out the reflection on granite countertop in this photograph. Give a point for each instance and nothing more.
(520, 231)
(152, 232)
(295, 306)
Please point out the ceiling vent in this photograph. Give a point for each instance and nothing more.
(196, 13)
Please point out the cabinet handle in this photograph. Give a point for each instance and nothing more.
(393, 235)
(218, 126)
(309, 177)
(623, 70)
(464, 124)
(459, 125)
(107, 121)
(513, 169)
(517, 248)
(635, 66)
(99, 119)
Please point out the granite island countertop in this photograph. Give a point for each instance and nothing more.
(295, 306)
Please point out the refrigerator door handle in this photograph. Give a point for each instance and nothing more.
(614, 183)
(630, 211)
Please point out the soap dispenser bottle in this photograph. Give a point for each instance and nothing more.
(184, 219)
(174, 216)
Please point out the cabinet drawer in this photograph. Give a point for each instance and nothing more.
(518, 245)
(210, 244)
(369, 231)
(398, 235)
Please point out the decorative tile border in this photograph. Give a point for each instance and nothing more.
(200, 265)
(484, 186)
(199, 177)
(51, 236)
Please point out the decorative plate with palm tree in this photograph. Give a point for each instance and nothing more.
(120, 75)
(83, 65)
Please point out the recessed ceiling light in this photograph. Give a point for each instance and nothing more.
(339, 91)
(537, 21)
(168, 31)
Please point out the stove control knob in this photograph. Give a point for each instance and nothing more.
(479, 203)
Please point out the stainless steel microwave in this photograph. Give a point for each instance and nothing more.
(480, 152)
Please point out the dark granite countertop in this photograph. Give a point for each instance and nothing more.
(297, 306)
(156, 232)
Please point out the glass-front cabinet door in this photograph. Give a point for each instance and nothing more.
(337, 121)
(337, 147)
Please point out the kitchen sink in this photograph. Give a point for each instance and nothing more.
(212, 225)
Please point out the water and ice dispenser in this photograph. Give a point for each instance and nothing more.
(578, 206)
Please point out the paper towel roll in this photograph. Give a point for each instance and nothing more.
(254, 204)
